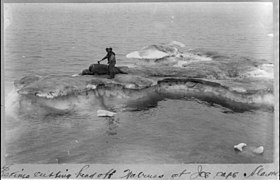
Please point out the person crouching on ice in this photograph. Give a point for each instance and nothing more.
(111, 56)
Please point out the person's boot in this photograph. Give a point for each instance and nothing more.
(112, 75)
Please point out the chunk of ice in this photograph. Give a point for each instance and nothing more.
(240, 146)
(104, 113)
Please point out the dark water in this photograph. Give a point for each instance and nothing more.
(65, 38)
(175, 132)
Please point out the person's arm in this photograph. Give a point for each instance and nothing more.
(103, 59)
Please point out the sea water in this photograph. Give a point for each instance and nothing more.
(45, 39)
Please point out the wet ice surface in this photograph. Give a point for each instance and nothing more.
(175, 132)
